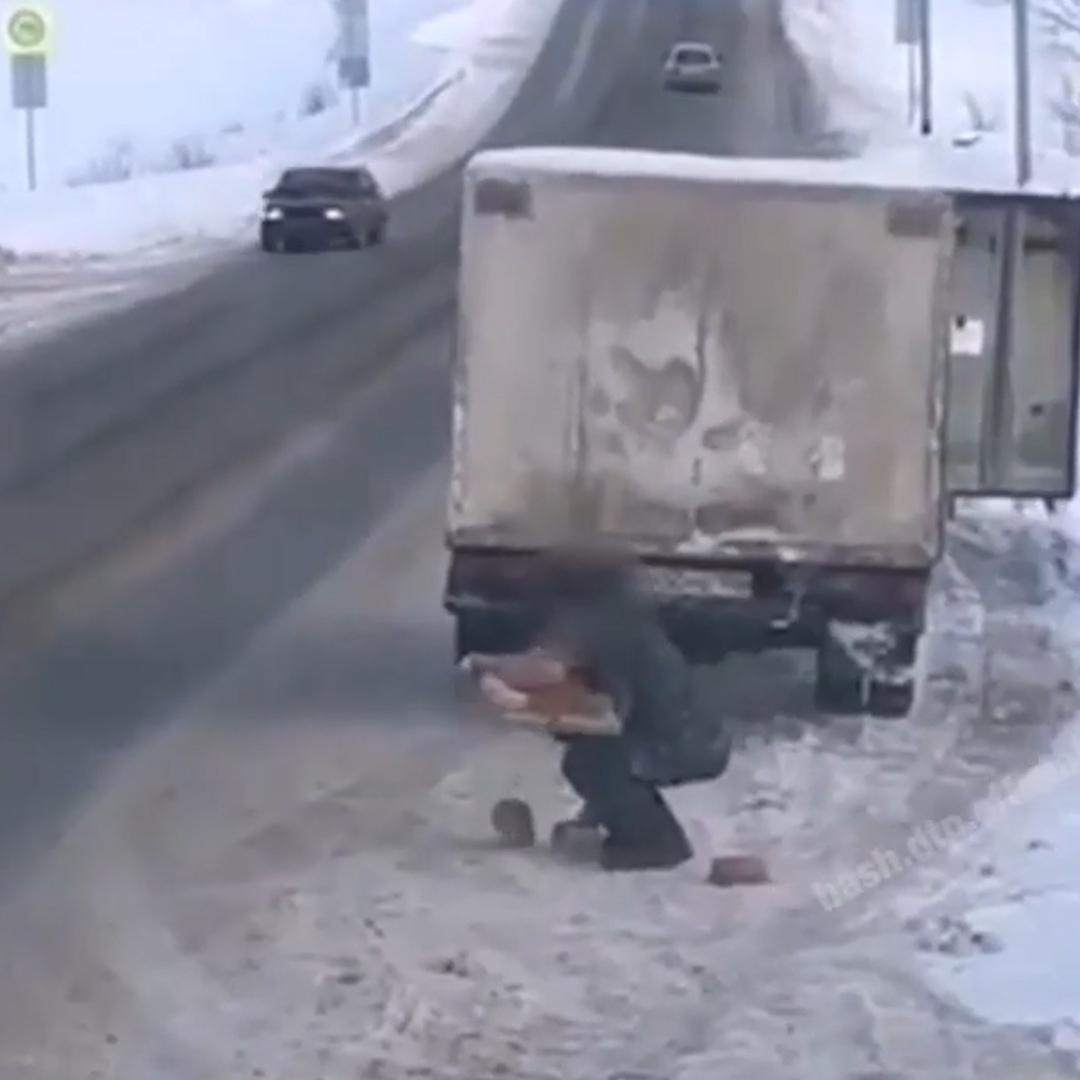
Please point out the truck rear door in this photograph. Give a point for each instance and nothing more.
(1012, 351)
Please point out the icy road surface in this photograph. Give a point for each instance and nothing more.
(295, 876)
(245, 806)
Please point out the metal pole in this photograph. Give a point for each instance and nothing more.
(1023, 92)
(925, 56)
(912, 85)
(31, 150)
(997, 417)
(354, 97)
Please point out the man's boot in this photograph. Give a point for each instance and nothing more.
(578, 839)
(659, 844)
(655, 856)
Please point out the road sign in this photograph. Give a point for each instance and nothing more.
(354, 44)
(28, 39)
(28, 31)
(29, 88)
(353, 50)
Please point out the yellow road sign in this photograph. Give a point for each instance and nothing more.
(28, 30)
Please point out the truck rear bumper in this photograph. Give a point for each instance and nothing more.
(710, 610)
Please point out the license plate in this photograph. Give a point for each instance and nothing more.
(676, 581)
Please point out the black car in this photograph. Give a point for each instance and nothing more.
(323, 207)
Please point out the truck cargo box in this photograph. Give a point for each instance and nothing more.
(706, 359)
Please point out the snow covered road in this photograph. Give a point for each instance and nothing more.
(245, 806)
(294, 876)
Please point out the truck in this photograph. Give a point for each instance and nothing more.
(766, 380)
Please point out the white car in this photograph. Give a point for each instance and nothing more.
(692, 65)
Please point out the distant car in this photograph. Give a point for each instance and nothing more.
(693, 66)
(321, 208)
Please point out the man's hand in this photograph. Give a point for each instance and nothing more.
(502, 696)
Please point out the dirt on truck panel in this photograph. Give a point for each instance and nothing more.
(775, 461)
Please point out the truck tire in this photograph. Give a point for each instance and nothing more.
(887, 690)
(839, 684)
(891, 700)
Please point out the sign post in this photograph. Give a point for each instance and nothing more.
(907, 34)
(28, 39)
(1022, 75)
(926, 68)
(913, 30)
(354, 51)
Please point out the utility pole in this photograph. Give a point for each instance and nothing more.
(926, 72)
(912, 85)
(354, 52)
(1022, 71)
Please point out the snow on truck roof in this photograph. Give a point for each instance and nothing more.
(917, 169)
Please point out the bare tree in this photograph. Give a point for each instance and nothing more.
(115, 163)
(1065, 105)
(187, 154)
(317, 98)
(1059, 21)
(983, 116)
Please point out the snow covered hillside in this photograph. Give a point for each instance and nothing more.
(132, 79)
(853, 55)
(189, 136)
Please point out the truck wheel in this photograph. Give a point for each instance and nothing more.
(891, 700)
(893, 681)
(884, 686)
(838, 687)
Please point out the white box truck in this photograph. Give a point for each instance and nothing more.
(737, 371)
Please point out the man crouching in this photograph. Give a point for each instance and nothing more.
(597, 627)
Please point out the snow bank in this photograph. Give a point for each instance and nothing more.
(1000, 935)
(853, 56)
(1020, 897)
(237, 75)
(496, 53)
(833, 37)
(490, 53)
